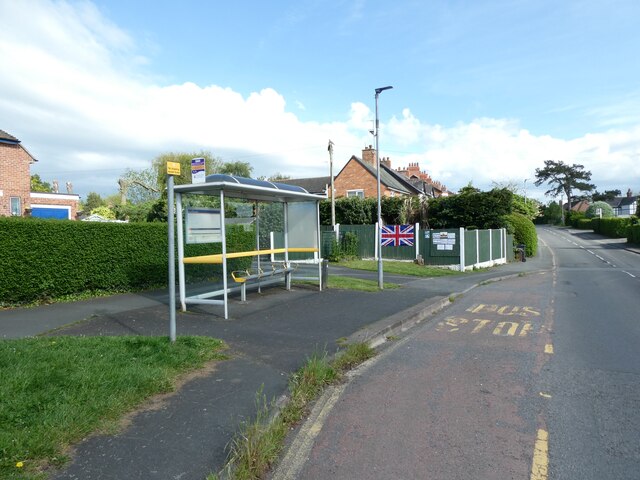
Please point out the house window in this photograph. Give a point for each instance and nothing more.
(355, 193)
(16, 209)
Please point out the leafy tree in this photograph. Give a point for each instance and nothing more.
(140, 185)
(563, 179)
(159, 166)
(276, 177)
(240, 169)
(592, 211)
(37, 185)
(158, 211)
(104, 212)
(606, 195)
(134, 212)
(528, 207)
(552, 213)
(93, 201)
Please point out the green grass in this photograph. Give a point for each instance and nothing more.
(57, 390)
(259, 443)
(400, 268)
(360, 284)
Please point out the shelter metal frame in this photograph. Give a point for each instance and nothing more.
(229, 186)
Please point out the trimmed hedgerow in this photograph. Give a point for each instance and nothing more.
(633, 234)
(611, 227)
(583, 224)
(52, 258)
(524, 232)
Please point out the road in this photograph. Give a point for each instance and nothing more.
(532, 378)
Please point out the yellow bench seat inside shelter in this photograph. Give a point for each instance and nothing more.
(217, 257)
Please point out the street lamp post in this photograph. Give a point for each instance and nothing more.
(380, 279)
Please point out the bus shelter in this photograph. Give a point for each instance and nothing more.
(299, 235)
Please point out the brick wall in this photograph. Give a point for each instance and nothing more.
(355, 177)
(15, 177)
(57, 199)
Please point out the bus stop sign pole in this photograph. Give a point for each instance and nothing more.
(173, 168)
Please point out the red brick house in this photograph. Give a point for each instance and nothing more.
(359, 178)
(16, 197)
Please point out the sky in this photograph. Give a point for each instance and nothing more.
(484, 91)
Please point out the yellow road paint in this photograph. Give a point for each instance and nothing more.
(545, 395)
(511, 330)
(505, 310)
(548, 348)
(298, 453)
(480, 324)
(526, 328)
(540, 465)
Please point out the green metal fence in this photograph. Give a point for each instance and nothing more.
(451, 247)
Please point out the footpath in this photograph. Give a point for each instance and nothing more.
(270, 336)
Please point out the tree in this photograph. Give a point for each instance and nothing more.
(140, 186)
(606, 195)
(240, 169)
(552, 213)
(592, 211)
(563, 179)
(104, 211)
(37, 185)
(93, 201)
(159, 166)
(277, 177)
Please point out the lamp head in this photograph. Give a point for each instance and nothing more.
(382, 89)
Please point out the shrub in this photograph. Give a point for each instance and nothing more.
(615, 227)
(524, 232)
(592, 211)
(52, 258)
(347, 248)
(573, 218)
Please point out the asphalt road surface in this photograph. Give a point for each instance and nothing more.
(532, 378)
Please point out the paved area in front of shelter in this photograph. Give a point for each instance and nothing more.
(270, 336)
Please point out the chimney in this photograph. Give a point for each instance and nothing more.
(629, 193)
(386, 162)
(369, 156)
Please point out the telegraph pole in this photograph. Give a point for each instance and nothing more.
(333, 201)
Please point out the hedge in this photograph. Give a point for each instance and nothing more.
(524, 232)
(52, 258)
(611, 227)
(633, 234)
(583, 224)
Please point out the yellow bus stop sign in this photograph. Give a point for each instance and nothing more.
(173, 168)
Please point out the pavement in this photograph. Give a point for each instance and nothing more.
(186, 434)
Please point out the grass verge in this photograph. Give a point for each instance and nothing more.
(360, 284)
(258, 444)
(57, 390)
(399, 268)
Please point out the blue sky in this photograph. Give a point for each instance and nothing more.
(484, 91)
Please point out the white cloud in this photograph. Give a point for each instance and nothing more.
(75, 98)
(488, 150)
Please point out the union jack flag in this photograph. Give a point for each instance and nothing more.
(396, 235)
